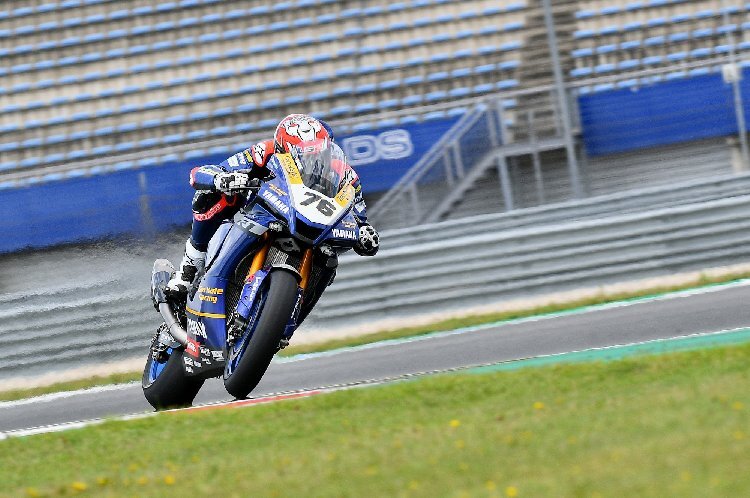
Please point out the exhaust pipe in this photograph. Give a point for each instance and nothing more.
(163, 271)
(175, 329)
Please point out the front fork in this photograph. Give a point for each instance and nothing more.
(256, 274)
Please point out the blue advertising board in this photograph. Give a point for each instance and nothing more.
(382, 156)
(138, 202)
(660, 114)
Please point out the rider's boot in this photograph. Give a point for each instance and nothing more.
(192, 262)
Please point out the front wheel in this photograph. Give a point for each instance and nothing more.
(165, 383)
(250, 356)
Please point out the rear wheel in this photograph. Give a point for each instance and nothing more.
(165, 383)
(249, 357)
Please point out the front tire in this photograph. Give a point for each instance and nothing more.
(165, 385)
(256, 353)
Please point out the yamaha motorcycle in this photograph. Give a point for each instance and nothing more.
(264, 272)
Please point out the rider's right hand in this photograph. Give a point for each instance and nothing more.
(234, 183)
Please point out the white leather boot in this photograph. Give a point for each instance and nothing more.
(192, 262)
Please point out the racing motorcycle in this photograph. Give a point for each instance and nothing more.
(264, 273)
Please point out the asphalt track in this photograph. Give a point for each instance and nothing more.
(681, 314)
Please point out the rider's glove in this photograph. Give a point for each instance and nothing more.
(368, 242)
(235, 183)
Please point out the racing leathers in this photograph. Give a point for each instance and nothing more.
(221, 192)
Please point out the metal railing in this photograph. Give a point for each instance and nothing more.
(90, 305)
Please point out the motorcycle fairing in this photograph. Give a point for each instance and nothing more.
(216, 242)
(250, 291)
(206, 308)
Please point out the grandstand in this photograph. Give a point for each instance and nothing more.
(92, 86)
(95, 79)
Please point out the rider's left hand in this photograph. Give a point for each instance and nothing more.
(368, 242)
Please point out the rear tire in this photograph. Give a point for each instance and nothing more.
(169, 386)
(264, 343)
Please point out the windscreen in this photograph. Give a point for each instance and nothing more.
(322, 165)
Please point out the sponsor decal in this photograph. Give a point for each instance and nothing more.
(275, 202)
(218, 355)
(277, 190)
(210, 294)
(345, 196)
(290, 168)
(205, 355)
(197, 329)
(217, 291)
(193, 348)
(259, 153)
(250, 227)
(216, 208)
(368, 149)
(344, 234)
(349, 224)
(349, 177)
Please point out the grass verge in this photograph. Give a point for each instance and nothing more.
(454, 323)
(72, 385)
(670, 425)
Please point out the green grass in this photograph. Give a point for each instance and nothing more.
(72, 385)
(670, 425)
(443, 325)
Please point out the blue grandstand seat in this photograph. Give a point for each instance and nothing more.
(412, 100)
(247, 107)
(54, 158)
(196, 134)
(581, 71)
(700, 52)
(267, 123)
(438, 76)
(342, 91)
(387, 104)
(315, 96)
(459, 92)
(81, 153)
(435, 96)
(195, 153)
(102, 150)
(9, 146)
(30, 162)
(434, 115)
(244, 127)
(340, 111)
(484, 88)
(151, 123)
(654, 59)
(294, 99)
(365, 107)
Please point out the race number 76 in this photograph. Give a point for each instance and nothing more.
(325, 207)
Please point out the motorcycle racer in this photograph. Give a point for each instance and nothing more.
(221, 192)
